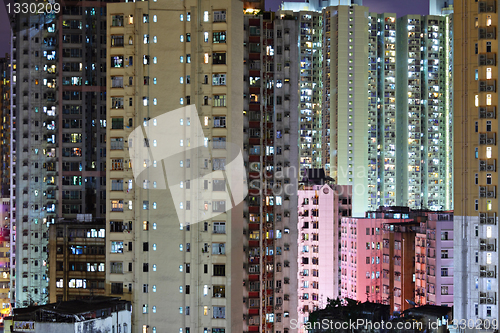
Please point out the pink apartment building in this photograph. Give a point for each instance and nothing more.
(398, 257)
(320, 209)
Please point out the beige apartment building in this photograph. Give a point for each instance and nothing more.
(476, 153)
(181, 275)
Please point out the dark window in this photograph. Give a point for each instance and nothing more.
(219, 58)
(117, 288)
(219, 270)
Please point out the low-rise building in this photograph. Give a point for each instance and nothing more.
(98, 314)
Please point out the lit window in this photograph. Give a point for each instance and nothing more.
(131, 19)
(154, 18)
(181, 17)
(488, 99)
(488, 20)
(206, 58)
(476, 100)
(488, 73)
(154, 225)
(206, 121)
(188, 16)
(488, 152)
(488, 205)
(181, 101)
(205, 16)
(182, 38)
(489, 233)
(154, 268)
(154, 80)
(154, 61)
(205, 142)
(488, 258)
(154, 39)
(154, 288)
(205, 35)
(205, 310)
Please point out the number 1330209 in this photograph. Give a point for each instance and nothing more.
(33, 8)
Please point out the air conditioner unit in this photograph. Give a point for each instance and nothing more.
(482, 247)
(490, 9)
(490, 247)
(482, 136)
(482, 301)
(491, 274)
(490, 141)
(482, 268)
(482, 142)
(490, 194)
(482, 109)
(490, 88)
(482, 83)
(490, 167)
(482, 215)
(490, 300)
(482, 168)
(482, 188)
(490, 61)
(482, 274)
(482, 57)
(491, 220)
(490, 35)
(490, 115)
(482, 295)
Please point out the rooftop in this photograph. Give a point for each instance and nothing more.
(72, 311)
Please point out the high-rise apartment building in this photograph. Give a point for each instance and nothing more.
(271, 127)
(310, 89)
(476, 155)
(57, 132)
(333, 90)
(175, 114)
(356, 108)
(5, 123)
(320, 210)
(425, 112)
(5, 179)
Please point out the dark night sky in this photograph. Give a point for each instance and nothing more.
(401, 7)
